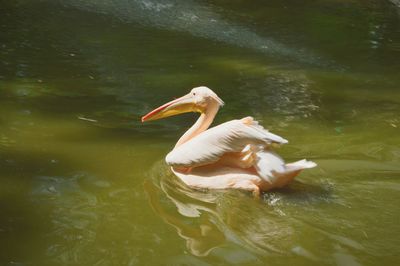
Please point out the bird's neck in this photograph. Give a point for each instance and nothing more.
(202, 123)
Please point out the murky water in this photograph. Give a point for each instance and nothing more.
(83, 182)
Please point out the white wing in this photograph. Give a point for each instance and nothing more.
(209, 146)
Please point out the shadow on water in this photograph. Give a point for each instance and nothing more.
(209, 220)
(17, 214)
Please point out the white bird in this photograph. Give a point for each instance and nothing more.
(236, 154)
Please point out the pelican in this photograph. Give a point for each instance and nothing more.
(236, 154)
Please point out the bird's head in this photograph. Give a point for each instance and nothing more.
(197, 100)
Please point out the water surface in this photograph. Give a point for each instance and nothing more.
(84, 182)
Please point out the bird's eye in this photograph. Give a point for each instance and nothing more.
(194, 94)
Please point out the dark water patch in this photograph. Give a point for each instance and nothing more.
(16, 223)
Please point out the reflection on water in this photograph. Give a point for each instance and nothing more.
(207, 220)
(217, 223)
(201, 236)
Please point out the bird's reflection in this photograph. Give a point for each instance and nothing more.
(194, 213)
(210, 219)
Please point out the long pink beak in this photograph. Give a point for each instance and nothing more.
(159, 109)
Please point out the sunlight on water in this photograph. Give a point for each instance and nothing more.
(190, 16)
(85, 183)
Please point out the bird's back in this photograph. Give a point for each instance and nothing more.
(209, 146)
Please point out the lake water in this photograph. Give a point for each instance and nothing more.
(83, 181)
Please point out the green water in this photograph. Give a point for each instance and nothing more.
(83, 182)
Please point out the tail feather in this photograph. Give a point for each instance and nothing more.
(271, 167)
(300, 165)
(268, 162)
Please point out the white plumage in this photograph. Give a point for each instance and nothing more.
(209, 146)
(236, 154)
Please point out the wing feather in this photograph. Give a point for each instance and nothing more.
(209, 146)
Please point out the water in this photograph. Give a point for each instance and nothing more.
(84, 183)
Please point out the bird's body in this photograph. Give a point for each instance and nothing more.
(236, 154)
